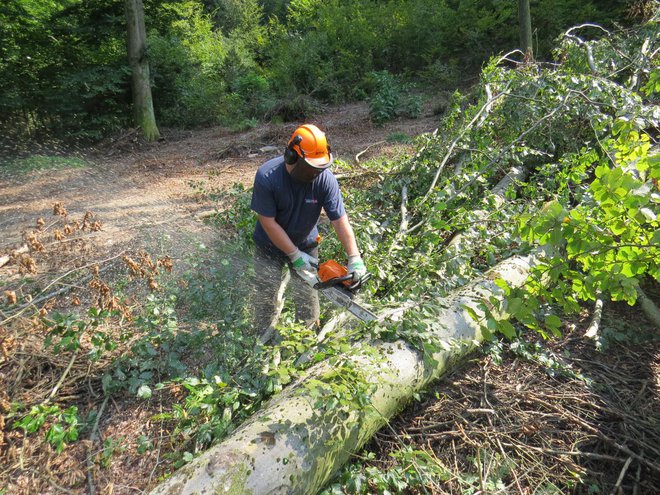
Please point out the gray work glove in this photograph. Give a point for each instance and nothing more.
(357, 267)
(305, 266)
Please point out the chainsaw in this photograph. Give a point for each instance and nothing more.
(337, 285)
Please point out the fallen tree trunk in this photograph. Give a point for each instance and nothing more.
(297, 442)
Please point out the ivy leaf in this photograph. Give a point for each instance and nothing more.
(144, 392)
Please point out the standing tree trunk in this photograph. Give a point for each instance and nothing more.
(143, 106)
(525, 20)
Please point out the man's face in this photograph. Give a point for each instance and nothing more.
(304, 172)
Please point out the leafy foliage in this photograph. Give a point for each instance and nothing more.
(392, 99)
(591, 200)
(63, 428)
(229, 62)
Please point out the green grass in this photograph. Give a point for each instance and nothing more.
(42, 162)
(399, 137)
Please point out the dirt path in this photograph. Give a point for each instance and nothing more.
(144, 192)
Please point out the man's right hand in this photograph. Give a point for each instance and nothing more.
(305, 266)
(300, 260)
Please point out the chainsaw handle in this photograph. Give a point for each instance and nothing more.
(333, 281)
(358, 283)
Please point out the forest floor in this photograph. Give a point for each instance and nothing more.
(137, 190)
(514, 420)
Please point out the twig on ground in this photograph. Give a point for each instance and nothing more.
(617, 486)
(62, 378)
(357, 157)
(90, 455)
(59, 488)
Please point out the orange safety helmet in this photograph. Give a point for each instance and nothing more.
(309, 143)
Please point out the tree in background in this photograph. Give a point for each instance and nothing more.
(66, 75)
(143, 106)
(525, 20)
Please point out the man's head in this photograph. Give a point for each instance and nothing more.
(308, 153)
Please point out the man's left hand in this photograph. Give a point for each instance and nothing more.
(356, 267)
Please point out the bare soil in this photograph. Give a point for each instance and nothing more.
(144, 191)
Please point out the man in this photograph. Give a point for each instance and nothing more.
(289, 193)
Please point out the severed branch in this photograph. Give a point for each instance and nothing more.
(486, 107)
(357, 157)
(592, 330)
(496, 158)
(459, 244)
(404, 210)
(586, 24)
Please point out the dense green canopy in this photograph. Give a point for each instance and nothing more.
(234, 62)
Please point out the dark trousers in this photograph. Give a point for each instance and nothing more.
(271, 282)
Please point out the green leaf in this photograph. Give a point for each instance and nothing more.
(144, 392)
(507, 329)
(513, 305)
(553, 323)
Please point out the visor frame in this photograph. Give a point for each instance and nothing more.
(317, 166)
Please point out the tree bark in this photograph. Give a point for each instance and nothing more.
(295, 444)
(525, 20)
(143, 107)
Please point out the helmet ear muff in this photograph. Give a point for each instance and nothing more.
(290, 154)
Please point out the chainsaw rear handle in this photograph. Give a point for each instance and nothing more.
(333, 281)
(358, 283)
(341, 281)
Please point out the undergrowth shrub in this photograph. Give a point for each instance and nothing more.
(391, 98)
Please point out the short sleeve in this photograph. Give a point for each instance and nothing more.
(334, 203)
(263, 201)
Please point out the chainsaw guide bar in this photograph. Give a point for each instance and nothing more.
(344, 300)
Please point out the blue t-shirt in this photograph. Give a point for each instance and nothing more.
(296, 206)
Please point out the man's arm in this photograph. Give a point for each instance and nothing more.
(303, 263)
(346, 236)
(277, 235)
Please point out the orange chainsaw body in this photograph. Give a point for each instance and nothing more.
(330, 269)
(339, 287)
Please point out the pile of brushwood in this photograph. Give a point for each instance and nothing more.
(554, 162)
(559, 160)
(535, 200)
(564, 417)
